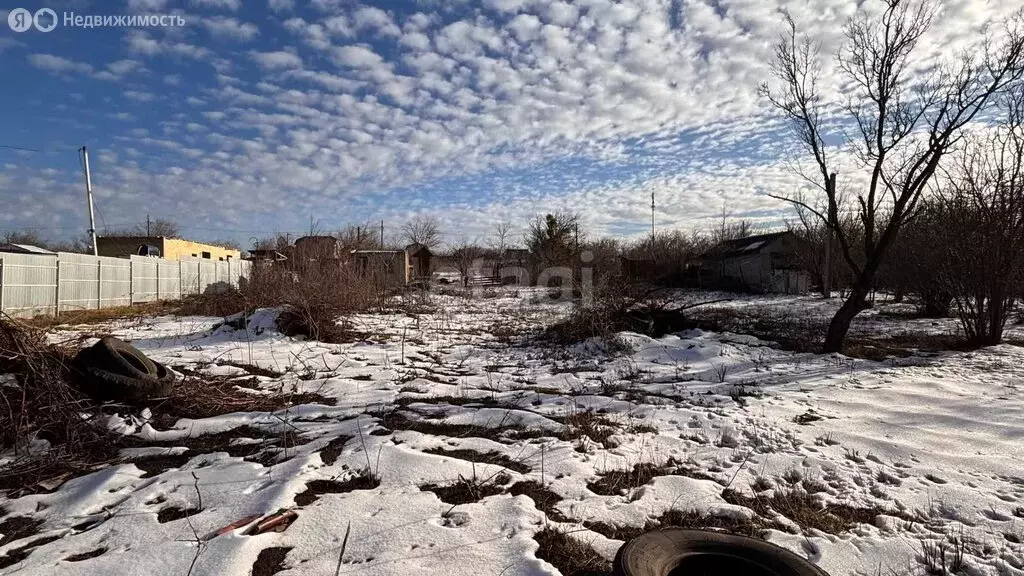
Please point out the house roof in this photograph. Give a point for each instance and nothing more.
(24, 249)
(743, 246)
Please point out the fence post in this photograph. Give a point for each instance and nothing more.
(181, 290)
(157, 280)
(1, 285)
(131, 281)
(56, 291)
(99, 284)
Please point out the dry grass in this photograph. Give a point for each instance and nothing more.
(464, 491)
(615, 482)
(805, 510)
(494, 458)
(570, 555)
(206, 396)
(364, 480)
(544, 499)
(588, 423)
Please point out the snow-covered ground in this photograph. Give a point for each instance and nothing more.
(917, 451)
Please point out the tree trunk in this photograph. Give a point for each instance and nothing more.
(855, 304)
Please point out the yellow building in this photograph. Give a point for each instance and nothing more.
(167, 248)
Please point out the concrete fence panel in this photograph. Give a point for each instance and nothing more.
(34, 284)
(28, 284)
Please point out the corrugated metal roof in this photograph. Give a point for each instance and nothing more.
(24, 249)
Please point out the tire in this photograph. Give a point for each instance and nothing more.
(678, 552)
(120, 357)
(106, 385)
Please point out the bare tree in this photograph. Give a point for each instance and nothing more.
(424, 230)
(980, 225)
(158, 227)
(467, 255)
(554, 239)
(904, 125)
(499, 244)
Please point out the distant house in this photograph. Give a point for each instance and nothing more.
(24, 249)
(320, 248)
(167, 248)
(762, 263)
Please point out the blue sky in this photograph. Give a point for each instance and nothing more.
(256, 115)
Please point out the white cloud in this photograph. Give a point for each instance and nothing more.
(367, 17)
(122, 67)
(146, 5)
(579, 105)
(232, 5)
(57, 64)
(277, 60)
(357, 57)
(281, 5)
(139, 96)
(172, 79)
(229, 28)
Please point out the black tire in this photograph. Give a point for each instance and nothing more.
(120, 357)
(679, 552)
(106, 385)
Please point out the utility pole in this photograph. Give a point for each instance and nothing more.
(652, 218)
(147, 224)
(88, 194)
(826, 281)
(381, 234)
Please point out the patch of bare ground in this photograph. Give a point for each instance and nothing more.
(19, 554)
(248, 442)
(84, 317)
(450, 400)
(544, 499)
(198, 397)
(270, 561)
(86, 555)
(689, 519)
(464, 491)
(252, 369)
(329, 453)
(397, 420)
(316, 488)
(590, 424)
(570, 555)
(172, 513)
(18, 527)
(805, 510)
(494, 458)
(616, 482)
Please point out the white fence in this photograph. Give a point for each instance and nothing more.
(33, 285)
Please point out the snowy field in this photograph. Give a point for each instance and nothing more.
(451, 445)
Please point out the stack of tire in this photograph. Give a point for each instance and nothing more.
(113, 370)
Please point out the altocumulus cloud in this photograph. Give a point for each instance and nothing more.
(255, 116)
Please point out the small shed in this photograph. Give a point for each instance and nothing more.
(761, 263)
(388, 266)
(419, 256)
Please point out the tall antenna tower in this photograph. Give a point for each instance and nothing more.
(652, 216)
